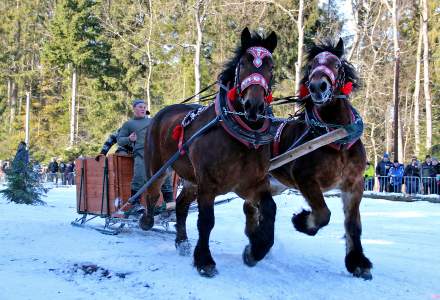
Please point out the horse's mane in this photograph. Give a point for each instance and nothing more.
(228, 73)
(328, 45)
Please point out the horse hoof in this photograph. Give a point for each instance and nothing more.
(208, 271)
(363, 273)
(146, 222)
(183, 248)
(359, 265)
(248, 259)
(299, 221)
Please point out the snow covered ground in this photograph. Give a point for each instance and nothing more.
(43, 257)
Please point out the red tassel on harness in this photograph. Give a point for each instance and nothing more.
(303, 91)
(347, 88)
(177, 131)
(269, 98)
(232, 94)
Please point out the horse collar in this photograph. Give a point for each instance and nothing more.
(234, 125)
(319, 127)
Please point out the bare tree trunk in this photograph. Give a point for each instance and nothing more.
(373, 143)
(20, 104)
(13, 104)
(397, 151)
(199, 21)
(409, 117)
(77, 119)
(28, 107)
(150, 63)
(355, 7)
(201, 9)
(300, 28)
(73, 106)
(9, 91)
(417, 93)
(400, 139)
(387, 130)
(426, 76)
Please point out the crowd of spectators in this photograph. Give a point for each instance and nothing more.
(61, 172)
(416, 177)
(57, 171)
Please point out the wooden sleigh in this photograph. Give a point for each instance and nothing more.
(102, 190)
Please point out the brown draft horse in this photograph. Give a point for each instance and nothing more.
(327, 78)
(217, 163)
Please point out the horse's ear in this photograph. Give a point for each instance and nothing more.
(245, 37)
(340, 47)
(271, 41)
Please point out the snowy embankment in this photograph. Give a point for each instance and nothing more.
(43, 257)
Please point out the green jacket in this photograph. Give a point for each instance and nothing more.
(138, 125)
(369, 172)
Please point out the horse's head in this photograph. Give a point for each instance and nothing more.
(326, 74)
(251, 72)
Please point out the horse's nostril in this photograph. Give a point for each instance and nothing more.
(261, 108)
(323, 86)
(247, 105)
(312, 88)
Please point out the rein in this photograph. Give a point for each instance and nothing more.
(201, 91)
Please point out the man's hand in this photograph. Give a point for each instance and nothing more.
(132, 137)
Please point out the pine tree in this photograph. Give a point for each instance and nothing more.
(76, 43)
(22, 182)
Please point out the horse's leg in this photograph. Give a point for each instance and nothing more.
(260, 210)
(355, 260)
(203, 260)
(146, 222)
(183, 201)
(309, 222)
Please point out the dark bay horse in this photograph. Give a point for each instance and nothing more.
(223, 159)
(327, 81)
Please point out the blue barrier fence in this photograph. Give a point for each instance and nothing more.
(405, 184)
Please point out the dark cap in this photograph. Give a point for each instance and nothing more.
(137, 101)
